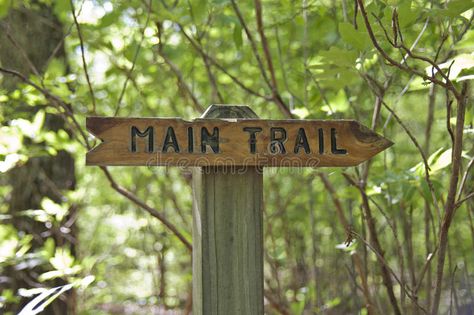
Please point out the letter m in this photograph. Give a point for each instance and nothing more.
(147, 133)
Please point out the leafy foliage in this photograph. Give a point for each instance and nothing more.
(173, 59)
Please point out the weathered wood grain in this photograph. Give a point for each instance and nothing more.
(235, 141)
(227, 239)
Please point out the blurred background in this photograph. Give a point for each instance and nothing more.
(394, 235)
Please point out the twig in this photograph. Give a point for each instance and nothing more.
(220, 67)
(460, 202)
(370, 221)
(424, 269)
(252, 42)
(428, 216)
(448, 84)
(423, 156)
(272, 85)
(266, 50)
(84, 63)
(263, 39)
(382, 259)
(21, 50)
(283, 69)
(356, 258)
(155, 213)
(63, 38)
(134, 61)
(179, 76)
(55, 100)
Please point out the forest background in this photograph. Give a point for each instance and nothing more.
(394, 235)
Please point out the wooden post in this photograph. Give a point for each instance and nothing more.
(227, 234)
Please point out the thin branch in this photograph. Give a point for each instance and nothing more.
(114, 185)
(450, 206)
(21, 50)
(283, 69)
(268, 57)
(379, 255)
(154, 212)
(220, 67)
(374, 239)
(275, 96)
(420, 150)
(424, 269)
(252, 42)
(263, 39)
(63, 38)
(179, 76)
(84, 63)
(212, 78)
(55, 100)
(460, 202)
(371, 308)
(448, 84)
(134, 61)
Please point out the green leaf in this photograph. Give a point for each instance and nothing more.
(131, 50)
(436, 162)
(356, 38)
(54, 209)
(199, 9)
(407, 15)
(467, 41)
(237, 35)
(301, 112)
(62, 259)
(4, 7)
(456, 7)
(339, 56)
(442, 161)
(38, 120)
(418, 84)
(61, 8)
(109, 19)
(53, 274)
(48, 249)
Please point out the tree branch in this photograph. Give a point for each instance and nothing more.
(152, 211)
(275, 96)
(57, 102)
(370, 305)
(375, 243)
(447, 85)
(450, 206)
(134, 61)
(268, 57)
(84, 63)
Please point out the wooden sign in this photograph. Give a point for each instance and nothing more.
(207, 142)
(227, 206)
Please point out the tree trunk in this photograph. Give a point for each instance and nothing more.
(28, 38)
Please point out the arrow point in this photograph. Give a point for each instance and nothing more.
(368, 136)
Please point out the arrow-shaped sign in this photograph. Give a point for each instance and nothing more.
(206, 142)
